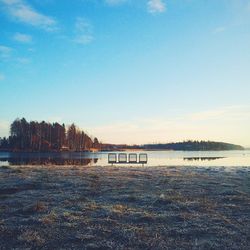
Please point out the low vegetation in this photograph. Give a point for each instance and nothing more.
(55, 207)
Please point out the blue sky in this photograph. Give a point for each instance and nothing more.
(129, 71)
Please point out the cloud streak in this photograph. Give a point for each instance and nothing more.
(2, 77)
(21, 11)
(83, 31)
(5, 52)
(23, 60)
(219, 30)
(22, 38)
(114, 2)
(156, 6)
(228, 124)
(153, 6)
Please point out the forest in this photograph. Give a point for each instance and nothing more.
(43, 136)
(189, 145)
(193, 146)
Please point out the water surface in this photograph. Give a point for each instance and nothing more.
(155, 158)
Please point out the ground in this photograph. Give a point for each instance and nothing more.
(72, 207)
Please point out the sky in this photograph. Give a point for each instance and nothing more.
(128, 71)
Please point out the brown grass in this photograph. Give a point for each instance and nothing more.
(31, 237)
(74, 207)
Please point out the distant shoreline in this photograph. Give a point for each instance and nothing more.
(122, 150)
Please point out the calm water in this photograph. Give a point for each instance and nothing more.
(155, 158)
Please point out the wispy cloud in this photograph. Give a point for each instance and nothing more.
(248, 6)
(240, 12)
(23, 60)
(5, 51)
(115, 2)
(153, 6)
(83, 31)
(21, 11)
(2, 76)
(31, 49)
(219, 29)
(156, 6)
(22, 38)
(228, 124)
(229, 113)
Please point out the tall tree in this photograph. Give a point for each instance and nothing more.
(43, 136)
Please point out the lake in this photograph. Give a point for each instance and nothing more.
(155, 158)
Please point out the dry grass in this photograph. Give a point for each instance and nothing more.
(31, 237)
(73, 207)
(50, 218)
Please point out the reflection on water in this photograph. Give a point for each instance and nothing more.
(155, 158)
(66, 158)
(50, 161)
(202, 158)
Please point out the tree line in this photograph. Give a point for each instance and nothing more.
(188, 145)
(193, 146)
(45, 137)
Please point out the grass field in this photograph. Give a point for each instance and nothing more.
(70, 207)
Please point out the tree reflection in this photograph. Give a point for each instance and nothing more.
(50, 161)
(202, 158)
